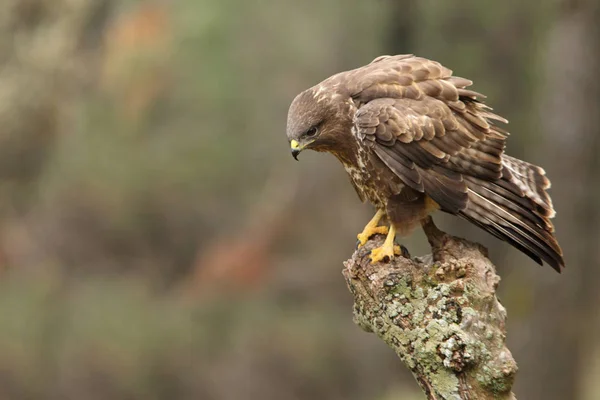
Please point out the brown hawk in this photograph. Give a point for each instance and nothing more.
(414, 139)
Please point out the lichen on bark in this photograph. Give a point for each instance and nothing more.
(440, 314)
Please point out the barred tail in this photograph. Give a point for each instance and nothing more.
(516, 209)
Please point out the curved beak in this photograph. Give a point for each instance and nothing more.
(296, 149)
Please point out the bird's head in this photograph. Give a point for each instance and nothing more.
(313, 122)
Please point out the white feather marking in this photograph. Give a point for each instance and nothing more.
(508, 216)
(502, 211)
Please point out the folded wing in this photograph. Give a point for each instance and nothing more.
(440, 139)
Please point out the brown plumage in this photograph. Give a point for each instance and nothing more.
(413, 139)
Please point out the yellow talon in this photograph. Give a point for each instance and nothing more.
(371, 228)
(364, 236)
(388, 249)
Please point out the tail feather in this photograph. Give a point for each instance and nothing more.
(522, 206)
(531, 179)
(500, 232)
(516, 209)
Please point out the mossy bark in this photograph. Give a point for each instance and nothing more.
(440, 314)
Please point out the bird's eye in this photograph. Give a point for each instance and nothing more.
(311, 132)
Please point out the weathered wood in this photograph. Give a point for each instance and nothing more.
(440, 314)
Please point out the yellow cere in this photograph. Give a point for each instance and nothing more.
(295, 145)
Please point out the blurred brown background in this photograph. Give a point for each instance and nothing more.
(157, 241)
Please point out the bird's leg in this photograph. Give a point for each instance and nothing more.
(388, 249)
(435, 237)
(372, 228)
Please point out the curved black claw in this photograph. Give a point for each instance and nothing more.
(405, 252)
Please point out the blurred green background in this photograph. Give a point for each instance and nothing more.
(157, 241)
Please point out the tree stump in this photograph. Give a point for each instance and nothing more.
(440, 314)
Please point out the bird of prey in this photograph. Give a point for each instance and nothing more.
(415, 139)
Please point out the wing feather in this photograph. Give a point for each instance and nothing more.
(403, 168)
(425, 133)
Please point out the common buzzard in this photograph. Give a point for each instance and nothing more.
(414, 139)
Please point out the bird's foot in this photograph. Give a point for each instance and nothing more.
(369, 231)
(385, 253)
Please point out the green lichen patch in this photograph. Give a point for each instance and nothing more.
(444, 322)
(400, 285)
(495, 384)
(446, 384)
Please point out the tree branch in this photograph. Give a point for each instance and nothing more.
(440, 315)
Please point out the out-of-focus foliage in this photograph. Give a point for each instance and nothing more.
(112, 338)
(156, 238)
